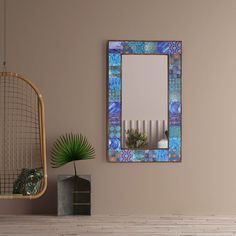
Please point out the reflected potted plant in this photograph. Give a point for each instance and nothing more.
(136, 139)
(71, 148)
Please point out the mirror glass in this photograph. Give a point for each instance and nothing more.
(144, 111)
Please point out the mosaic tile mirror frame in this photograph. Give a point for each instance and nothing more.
(115, 50)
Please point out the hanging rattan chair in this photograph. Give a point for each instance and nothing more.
(23, 172)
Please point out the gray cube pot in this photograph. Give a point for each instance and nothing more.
(74, 195)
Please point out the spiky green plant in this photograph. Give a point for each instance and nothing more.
(136, 139)
(71, 148)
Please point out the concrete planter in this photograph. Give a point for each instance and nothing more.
(74, 195)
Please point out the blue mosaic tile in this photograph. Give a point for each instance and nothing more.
(162, 156)
(150, 156)
(175, 131)
(175, 48)
(114, 72)
(115, 47)
(114, 96)
(175, 107)
(114, 84)
(114, 59)
(150, 47)
(162, 47)
(175, 143)
(133, 47)
(126, 156)
(139, 155)
(114, 107)
(114, 143)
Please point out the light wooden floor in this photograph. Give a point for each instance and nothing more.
(118, 225)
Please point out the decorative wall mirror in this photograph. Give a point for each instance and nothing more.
(144, 101)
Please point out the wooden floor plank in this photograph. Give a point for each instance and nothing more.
(173, 225)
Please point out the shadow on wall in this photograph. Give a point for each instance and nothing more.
(47, 204)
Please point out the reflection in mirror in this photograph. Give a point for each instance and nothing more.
(144, 101)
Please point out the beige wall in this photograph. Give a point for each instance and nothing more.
(60, 45)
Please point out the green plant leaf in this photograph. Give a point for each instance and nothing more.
(71, 147)
(136, 139)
